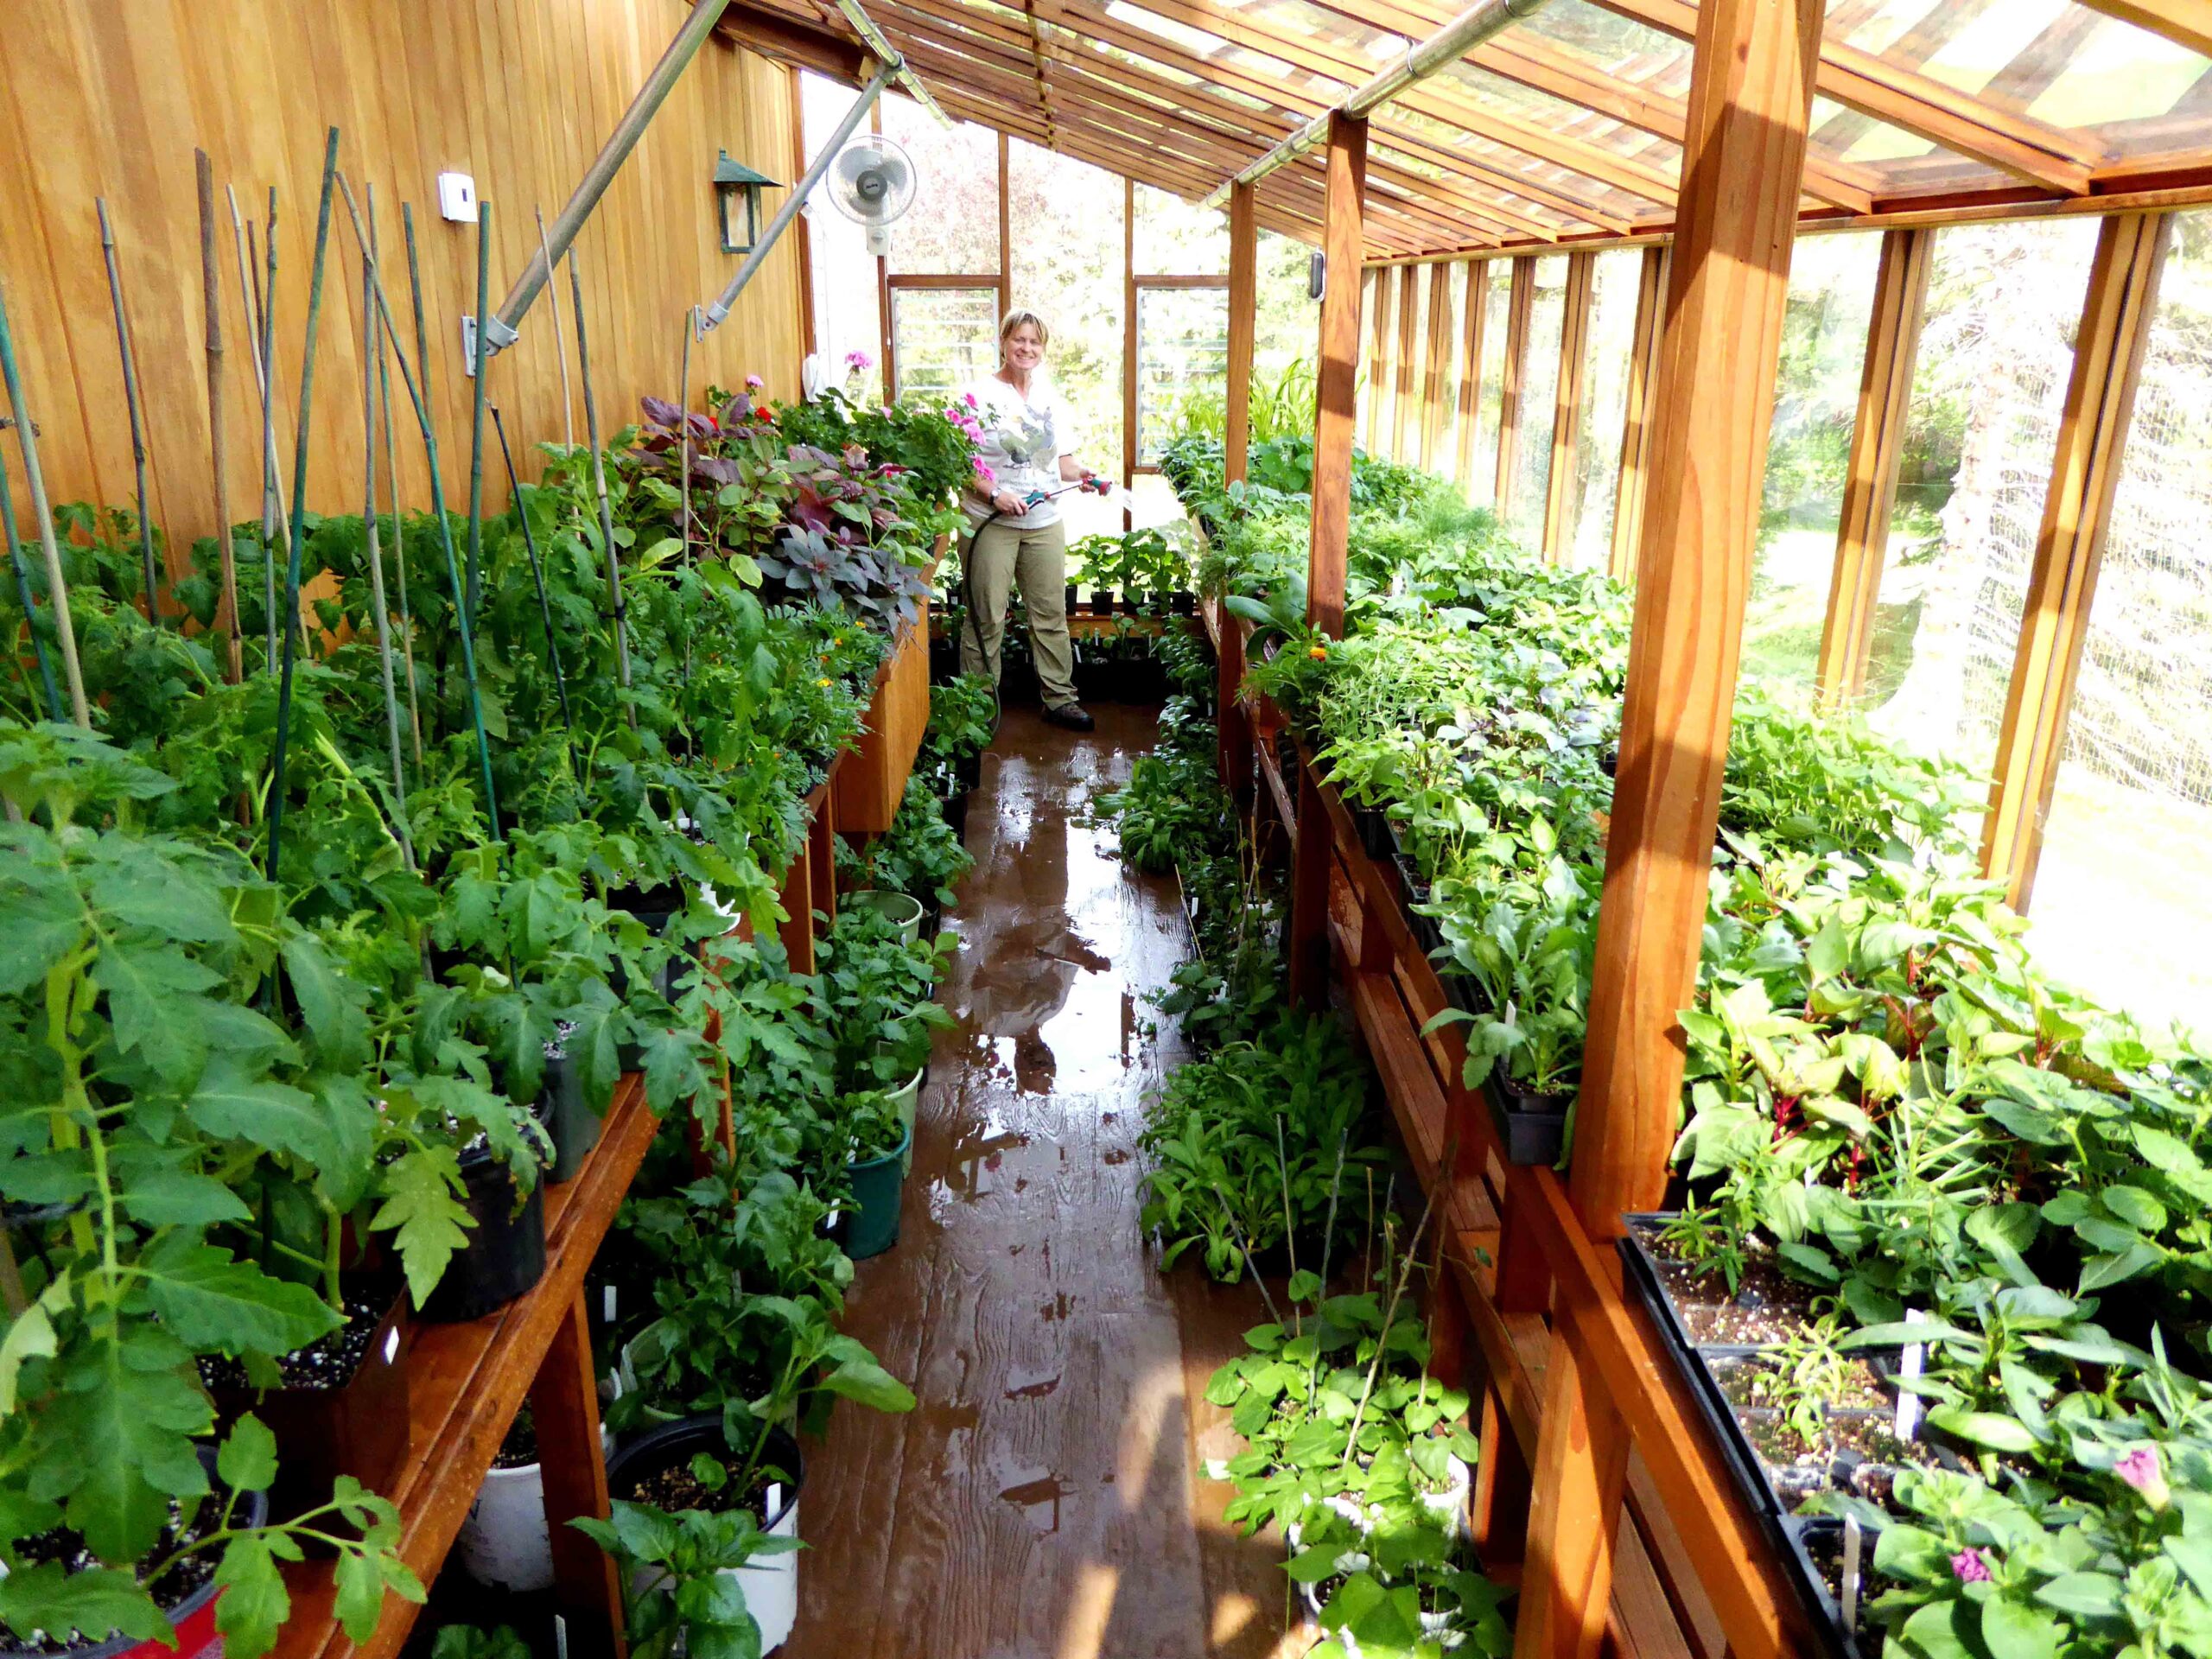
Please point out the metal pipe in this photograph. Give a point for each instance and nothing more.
(601, 173)
(887, 70)
(873, 38)
(1472, 27)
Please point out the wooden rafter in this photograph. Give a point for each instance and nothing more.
(2185, 22)
(1511, 378)
(2043, 155)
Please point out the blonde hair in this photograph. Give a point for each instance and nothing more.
(1013, 320)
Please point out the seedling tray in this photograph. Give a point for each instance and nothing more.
(1785, 1532)
(1531, 1128)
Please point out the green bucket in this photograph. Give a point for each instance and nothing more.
(894, 907)
(871, 1223)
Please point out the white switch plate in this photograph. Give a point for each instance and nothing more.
(457, 197)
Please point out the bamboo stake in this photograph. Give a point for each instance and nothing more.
(398, 531)
(131, 404)
(560, 344)
(57, 585)
(226, 616)
(419, 395)
(537, 576)
(297, 540)
(376, 546)
(598, 484)
(478, 357)
(261, 337)
(24, 597)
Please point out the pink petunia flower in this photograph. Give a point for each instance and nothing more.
(1970, 1568)
(2140, 1470)
(753, 383)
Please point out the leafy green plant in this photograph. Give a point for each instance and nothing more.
(680, 1587)
(920, 855)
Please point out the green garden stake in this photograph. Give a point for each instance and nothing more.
(131, 404)
(599, 483)
(537, 576)
(398, 529)
(297, 540)
(23, 596)
(376, 546)
(57, 585)
(480, 356)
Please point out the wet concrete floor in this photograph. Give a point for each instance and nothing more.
(1041, 1502)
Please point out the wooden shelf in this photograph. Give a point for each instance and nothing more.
(1525, 1269)
(466, 1381)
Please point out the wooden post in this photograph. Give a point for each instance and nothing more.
(1636, 430)
(1564, 503)
(1439, 351)
(1401, 400)
(1378, 361)
(2108, 347)
(1336, 385)
(1129, 346)
(1743, 162)
(1005, 230)
(1515, 373)
(798, 898)
(1232, 727)
(1877, 444)
(564, 1405)
(1471, 368)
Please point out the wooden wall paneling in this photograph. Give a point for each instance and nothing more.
(1564, 499)
(112, 101)
(1404, 386)
(1471, 365)
(1382, 374)
(1244, 326)
(1439, 354)
(802, 233)
(1635, 428)
(1513, 376)
(2116, 318)
(1877, 444)
(1743, 164)
(1336, 383)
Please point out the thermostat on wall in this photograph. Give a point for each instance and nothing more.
(457, 197)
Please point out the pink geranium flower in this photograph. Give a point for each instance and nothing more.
(858, 360)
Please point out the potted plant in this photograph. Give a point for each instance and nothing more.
(881, 1137)
(504, 1543)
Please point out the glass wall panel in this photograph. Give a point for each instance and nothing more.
(1482, 483)
(1532, 472)
(1615, 281)
(2122, 901)
(1066, 222)
(1995, 351)
(1286, 341)
(943, 340)
(1175, 239)
(1182, 353)
(952, 229)
(1809, 454)
(847, 323)
(1414, 377)
(1446, 460)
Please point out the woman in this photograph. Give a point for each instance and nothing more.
(1027, 447)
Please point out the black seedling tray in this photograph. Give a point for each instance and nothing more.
(1739, 1458)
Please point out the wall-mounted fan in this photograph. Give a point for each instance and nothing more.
(872, 181)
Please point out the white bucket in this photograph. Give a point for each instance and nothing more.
(505, 1544)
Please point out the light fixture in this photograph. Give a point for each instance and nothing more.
(733, 179)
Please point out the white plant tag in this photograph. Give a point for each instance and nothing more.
(1909, 1368)
(1853, 1535)
(391, 1344)
(607, 1304)
(775, 1499)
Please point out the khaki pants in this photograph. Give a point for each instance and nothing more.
(996, 558)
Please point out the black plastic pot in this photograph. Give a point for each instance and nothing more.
(1183, 604)
(1531, 1128)
(1102, 601)
(968, 772)
(357, 1428)
(672, 1446)
(574, 1125)
(504, 1256)
(1072, 600)
(1374, 831)
(1144, 681)
(956, 813)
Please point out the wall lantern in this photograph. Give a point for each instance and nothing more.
(732, 180)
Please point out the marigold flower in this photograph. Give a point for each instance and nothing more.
(823, 683)
(1317, 652)
(1970, 1568)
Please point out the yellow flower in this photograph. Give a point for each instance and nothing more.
(822, 682)
(1318, 652)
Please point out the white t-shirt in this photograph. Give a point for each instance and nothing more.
(1023, 440)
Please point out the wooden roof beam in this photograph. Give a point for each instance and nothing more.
(2185, 22)
(2045, 156)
